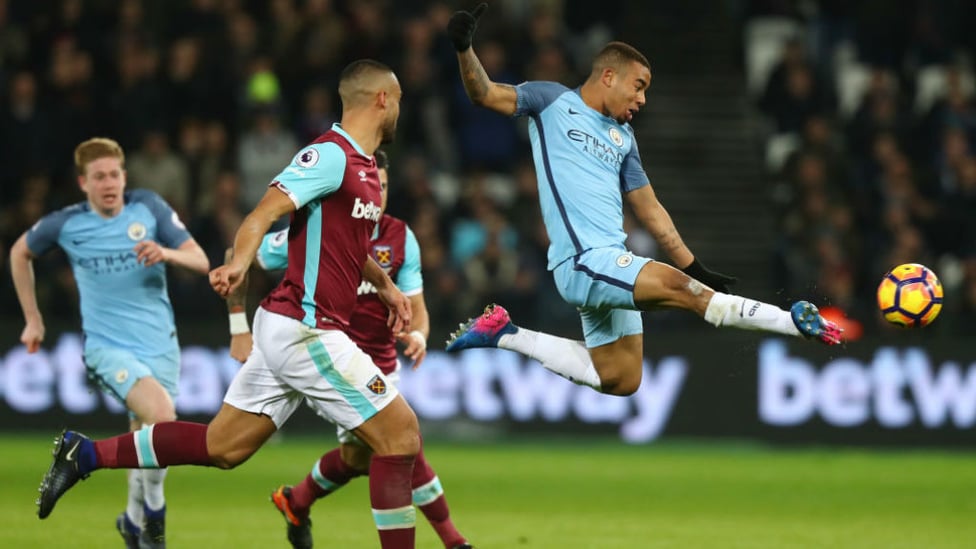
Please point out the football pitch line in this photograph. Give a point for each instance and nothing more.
(544, 494)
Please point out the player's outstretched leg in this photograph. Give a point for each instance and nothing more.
(299, 528)
(807, 318)
(65, 470)
(803, 319)
(494, 328)
(482, 331)
(152, 447)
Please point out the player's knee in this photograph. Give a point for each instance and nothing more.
(227, 459)
(356, 456)
(402, 441)
(159, 414)
(621, 383)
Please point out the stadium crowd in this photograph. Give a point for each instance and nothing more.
(211, 98)
(871, 109)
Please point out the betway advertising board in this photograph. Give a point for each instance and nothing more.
(719, 385)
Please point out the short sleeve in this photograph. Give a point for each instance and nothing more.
(316, 171)
(273, 252)
(533, 97)
(170, 230)
(409, 279)
(44, 234)
(632, 175)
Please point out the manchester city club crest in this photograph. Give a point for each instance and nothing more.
(383, 255)
(615, 136)
(137, 231)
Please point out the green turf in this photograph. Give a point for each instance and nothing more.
(554, 495)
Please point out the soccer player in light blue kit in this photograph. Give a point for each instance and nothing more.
(586, 162)
(118, 244)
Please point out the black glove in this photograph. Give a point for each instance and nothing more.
(462, 25)
(716, 281)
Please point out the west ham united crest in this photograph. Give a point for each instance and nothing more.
(383, 255)
(377, 385)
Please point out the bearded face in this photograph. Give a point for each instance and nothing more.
(390, 126)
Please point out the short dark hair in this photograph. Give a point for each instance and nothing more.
(382, 162)
(360, 67)
(614, 54)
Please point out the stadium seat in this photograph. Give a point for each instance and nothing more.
(932, 84)
(778, 149)
(852, 82)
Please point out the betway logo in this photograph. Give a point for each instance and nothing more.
(897, 388)
(489, 385)
(485, 385)
(365, 211)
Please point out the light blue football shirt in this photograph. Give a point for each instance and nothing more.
(584, 163)
(273, 256)
(124, 304)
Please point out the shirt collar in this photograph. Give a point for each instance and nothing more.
(336, 127)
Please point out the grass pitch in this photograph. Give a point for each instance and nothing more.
(587, 494)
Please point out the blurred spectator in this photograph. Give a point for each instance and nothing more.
(215, 157)
(323, 39)
(73, 106)
(800, 98)
(264, 150)
(820, 139)
(184, 84)
(370, 33)
(155, 167)
(882, 32)
(485, 140)
(795, 91)
(26, 131)
(218, 225)
(138, 100)
(954, 151)
(957, 234)
(134, 28)
(317, 115)
(32, 203)
(241, 84)
(881, 110)
(13, 42)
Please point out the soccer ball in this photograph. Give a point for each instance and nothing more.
(910, 296)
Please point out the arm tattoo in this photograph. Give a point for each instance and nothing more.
(237, 299)
(669, 240)
(474, 77)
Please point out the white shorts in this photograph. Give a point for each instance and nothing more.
(346, 436)
(291, 362)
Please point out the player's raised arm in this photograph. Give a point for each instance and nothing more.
(481, 90)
